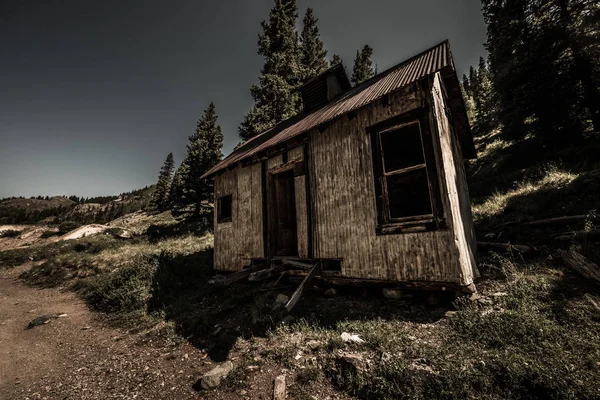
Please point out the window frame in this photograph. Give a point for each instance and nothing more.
(386, 224)
(220, 218)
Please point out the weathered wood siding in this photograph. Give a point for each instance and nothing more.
(344, 209)
(240, 240)
(457, 190)
(301, 204)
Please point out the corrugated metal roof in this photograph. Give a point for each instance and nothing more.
(409, 71)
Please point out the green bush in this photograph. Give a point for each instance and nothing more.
(126, 289)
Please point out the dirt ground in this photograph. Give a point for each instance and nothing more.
(79, 357)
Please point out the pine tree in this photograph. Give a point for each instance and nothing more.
(363, 66)
(336, 59)
(274, 99)
(204, 151)
(313, 55)
(160, 197)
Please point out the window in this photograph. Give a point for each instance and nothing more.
(224, 209)
(406, 181)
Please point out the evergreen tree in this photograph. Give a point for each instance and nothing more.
(363, 66)
(204, 151)
(160, 197)
(465, 85)
(274, 99)
(176, 196)
(313, 55)
(336, 59)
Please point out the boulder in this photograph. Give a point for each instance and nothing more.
(213, 378)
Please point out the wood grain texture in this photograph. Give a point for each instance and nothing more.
(240, 240)
(344, 210)
(455, 185)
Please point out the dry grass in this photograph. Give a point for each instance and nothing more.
(553, 178)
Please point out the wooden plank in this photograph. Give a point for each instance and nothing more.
(559, 220)
(579, 263)
(279, 392)
(298, 293)
(266, 273)
(297, 264)
(236, 276)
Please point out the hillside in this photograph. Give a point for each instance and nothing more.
(529, 332)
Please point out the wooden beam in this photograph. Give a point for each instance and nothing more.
(579, 263)
(298, 293)
(297, 264)
(236, 276)
(560, 220)
(266, 273)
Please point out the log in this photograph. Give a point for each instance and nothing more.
(298, 293)
(558, 220)
(521, 248)
(584, 236)
(239, 275)
(579, 263)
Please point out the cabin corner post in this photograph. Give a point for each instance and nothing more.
(460, 220)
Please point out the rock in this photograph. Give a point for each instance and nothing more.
(85, 328)
(213, 378)
(391, 294)
(44, 319)
(281, 299)
(350, 364)
(279, 388)
(330, 292)
(449, 313)
(348, 338)
(499, 294)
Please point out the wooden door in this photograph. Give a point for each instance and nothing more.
(285, 226)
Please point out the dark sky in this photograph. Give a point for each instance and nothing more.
(95, 94)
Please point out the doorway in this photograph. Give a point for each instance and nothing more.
(283, 230)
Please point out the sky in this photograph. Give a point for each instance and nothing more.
(95, 94)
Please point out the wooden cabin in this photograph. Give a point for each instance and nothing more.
(369, 180)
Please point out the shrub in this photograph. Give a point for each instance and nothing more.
(10, 233)
(67, 226)
(47, 234)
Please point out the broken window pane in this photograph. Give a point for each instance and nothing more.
(408, 194)
(402, 148)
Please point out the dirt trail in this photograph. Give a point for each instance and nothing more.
(79, 357)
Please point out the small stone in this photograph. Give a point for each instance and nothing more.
(288, 320)
(85, 328)
(63, 315)
(391, 294)
(330, 292)
(449, 313)
(243, 392)
(346, 337)
(282, 299)
(499, 294)
(279, 388)
(213, 378)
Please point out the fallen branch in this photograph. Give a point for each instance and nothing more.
(521, 248)
(579, 263)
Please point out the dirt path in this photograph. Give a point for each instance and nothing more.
(79, 357)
